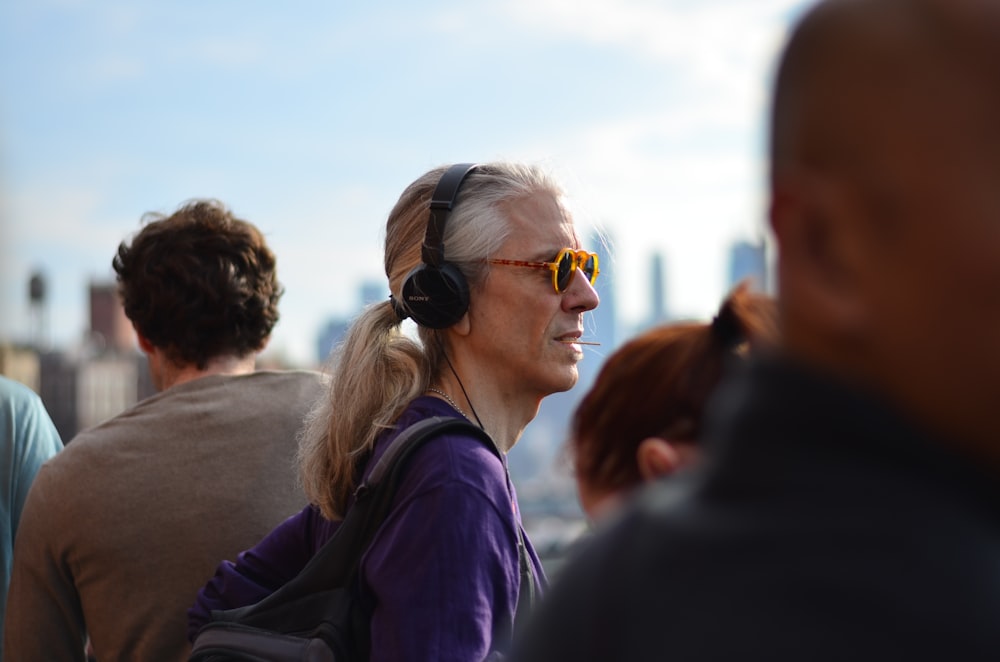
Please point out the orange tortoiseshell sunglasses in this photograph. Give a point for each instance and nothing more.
(563, 267)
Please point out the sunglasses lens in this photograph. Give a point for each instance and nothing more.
(566, 269)
(590, 268)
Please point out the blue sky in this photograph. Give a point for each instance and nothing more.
(309, 118)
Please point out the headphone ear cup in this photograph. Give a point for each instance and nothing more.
(436, 297)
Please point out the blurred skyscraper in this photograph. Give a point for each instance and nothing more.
(38, 313)
(110, 329)
(658, 291)
(331, 333)
(101, 379)
(335, 328)
(748, 260)
(20, 363)
(373, 292)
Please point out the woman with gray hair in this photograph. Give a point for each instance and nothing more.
(486, 260)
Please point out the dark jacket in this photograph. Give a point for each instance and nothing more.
(825, 528)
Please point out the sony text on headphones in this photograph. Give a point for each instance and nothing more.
(436, 294)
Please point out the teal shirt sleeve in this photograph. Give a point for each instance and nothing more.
(27, 439)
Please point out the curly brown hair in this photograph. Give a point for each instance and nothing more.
(199, 283)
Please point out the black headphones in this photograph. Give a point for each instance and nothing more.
(436, 294)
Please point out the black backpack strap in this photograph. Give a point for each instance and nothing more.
(336, 562)
(389, 465)
(377, 491)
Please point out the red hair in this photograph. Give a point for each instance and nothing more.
(656, 385)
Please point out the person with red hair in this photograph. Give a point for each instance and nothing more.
(642, 417)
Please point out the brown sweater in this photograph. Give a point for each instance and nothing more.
(122, 528)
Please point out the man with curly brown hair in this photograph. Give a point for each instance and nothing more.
(121, 529)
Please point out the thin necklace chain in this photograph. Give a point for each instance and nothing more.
(450, 401)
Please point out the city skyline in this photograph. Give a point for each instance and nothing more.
(745, 260)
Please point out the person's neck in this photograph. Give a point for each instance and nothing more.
(503, 415)
(175, 375)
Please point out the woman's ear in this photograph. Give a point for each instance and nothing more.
(658, 457)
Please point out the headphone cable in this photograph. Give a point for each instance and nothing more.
(462, 386)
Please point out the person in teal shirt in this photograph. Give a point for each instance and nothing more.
(27, 439)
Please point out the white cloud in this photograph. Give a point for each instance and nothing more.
(661, 29)
(721, 49)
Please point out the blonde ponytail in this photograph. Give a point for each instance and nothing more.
(376, 372)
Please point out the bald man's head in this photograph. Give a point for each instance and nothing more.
(885, 173)
(853, 68)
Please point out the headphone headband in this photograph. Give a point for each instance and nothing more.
(436, 294)
(442, 202)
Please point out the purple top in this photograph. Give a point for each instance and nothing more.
(441, 572)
